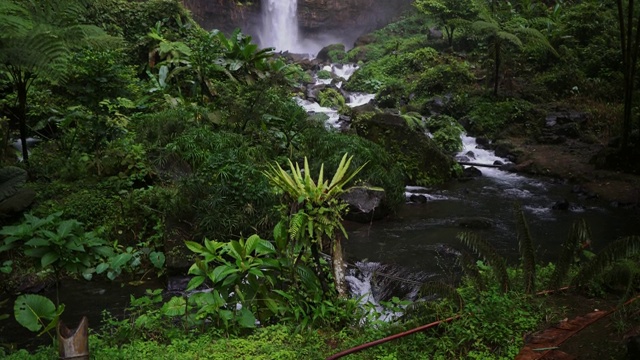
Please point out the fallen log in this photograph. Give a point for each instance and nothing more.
(480, 165)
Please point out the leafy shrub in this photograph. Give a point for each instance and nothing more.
(490, 118)
(226, 194)
(328, 147)
(443, 78)
(324, 74)
(446, 132)
(331, 98)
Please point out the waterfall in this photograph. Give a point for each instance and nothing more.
(280, 25)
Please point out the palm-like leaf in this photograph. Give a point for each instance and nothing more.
(579, 234)
(525, 245)
(486, 252)
(618, 250)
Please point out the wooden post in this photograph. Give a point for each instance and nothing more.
(74, 343)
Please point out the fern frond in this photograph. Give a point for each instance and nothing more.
(527, 255)
(308, 278)
(618, 250)
(470, 268)
(579, 234)
(487, 253)
(443, 291)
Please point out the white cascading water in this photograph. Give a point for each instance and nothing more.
(280, 25)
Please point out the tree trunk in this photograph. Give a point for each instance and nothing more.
(496, 75)
(22, 119)
(337, 263)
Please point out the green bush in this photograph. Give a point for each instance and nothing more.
(490, 118)
(448, 76)
(331, 98)
(226, 193)
(329, 147)
(446, 132)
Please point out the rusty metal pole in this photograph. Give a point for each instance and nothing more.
(389, 338)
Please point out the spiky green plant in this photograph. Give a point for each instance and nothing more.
(527, 254)
(316, 211)
(488, 254)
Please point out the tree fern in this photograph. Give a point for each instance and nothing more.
(443, 291)
(470, 268)
(53, 32)
(487, 253)
(579, 234)
(618, 250)
(527, 255)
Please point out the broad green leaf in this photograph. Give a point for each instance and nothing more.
(252, 243)
(174, 307)
(157, 259)
(101, 268)
(31, 311)
(37, 242)
(246, 319)
(195, 282)
(49, 258)
(194, 246)
(120, 260)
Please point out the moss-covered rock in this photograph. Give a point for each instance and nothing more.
(334, 53)
(423, 163)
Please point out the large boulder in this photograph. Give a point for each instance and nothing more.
(422, 161)
(331, 54)
(365, 203)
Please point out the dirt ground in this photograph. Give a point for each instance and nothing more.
(570, 161)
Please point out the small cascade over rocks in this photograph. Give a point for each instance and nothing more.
(339, 74)
(374, 283)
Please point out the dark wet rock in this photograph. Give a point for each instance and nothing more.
(384, 280)
(483, 142)
(529, 167)
(503, 148)
(570, 130)
(476, 223)
(365, 40)
(471, 154)
(313, 91)
(178, 283)
(624, 205)
(498, 163)
(561, 205)
(508, 167)
(417, 198)
(447, 251)
(365, 204)
(17, 203)
(435, 34)
(471, 172)
(436, 105)
(345, 118)
(551, 139)
(462, 158)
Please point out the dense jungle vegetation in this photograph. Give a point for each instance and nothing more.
(148, 145)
